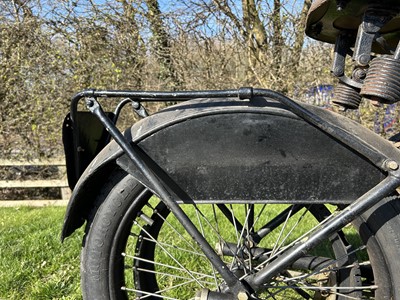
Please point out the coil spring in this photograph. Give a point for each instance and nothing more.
(346, 96)
(382, 82)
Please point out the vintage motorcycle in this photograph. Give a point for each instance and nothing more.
(245, 194)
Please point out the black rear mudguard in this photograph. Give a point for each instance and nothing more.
(243, 151)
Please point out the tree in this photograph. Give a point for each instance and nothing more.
(161, 44)
(50, 50)
(272, 50)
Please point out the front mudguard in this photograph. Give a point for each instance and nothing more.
(228, 150)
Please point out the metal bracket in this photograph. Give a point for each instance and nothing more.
(139, 109)
(373, 21)
(342, 46)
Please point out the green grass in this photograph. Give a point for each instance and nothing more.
(34, 264)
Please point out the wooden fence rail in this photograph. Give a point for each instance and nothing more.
(60, 182)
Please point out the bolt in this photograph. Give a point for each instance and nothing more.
(90, 102)
(242, 296)
(392, 165)
(135, 105)
(359, 74)
(363, 59)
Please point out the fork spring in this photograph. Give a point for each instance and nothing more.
(346, 96)
(382, 82)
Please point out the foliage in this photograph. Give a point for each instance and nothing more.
(49, 50)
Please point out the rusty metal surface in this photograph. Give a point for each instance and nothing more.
(382, 81)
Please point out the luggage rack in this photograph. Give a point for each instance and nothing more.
(244, 93)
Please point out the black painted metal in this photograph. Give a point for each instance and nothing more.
(136, 106)
(231, 151)
(119, 108)
(231, 280)
(342, 47)
(266, 155)
(373, 21)
(83, 140)
(156, 96)
(347, 138)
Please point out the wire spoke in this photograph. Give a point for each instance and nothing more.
(235, 225)
(169, 254)
(293, 243)
(173, 246)
(176, 231)
(203, 233)
(258, 217)
(240, 240)
(281, 232)
(217, 229)
(219, 236)
(165, 265)
(187, 279)
(293, 227)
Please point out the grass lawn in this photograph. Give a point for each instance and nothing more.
(34, 264)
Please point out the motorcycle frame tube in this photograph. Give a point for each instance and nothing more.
(383, 189)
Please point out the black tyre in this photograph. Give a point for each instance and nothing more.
(135, 249)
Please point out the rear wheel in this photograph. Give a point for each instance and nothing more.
(136, 249)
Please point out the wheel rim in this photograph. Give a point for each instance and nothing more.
(155, 258)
